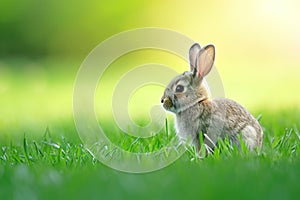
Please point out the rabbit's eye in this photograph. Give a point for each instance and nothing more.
(179, 88)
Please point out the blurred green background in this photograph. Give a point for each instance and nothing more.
(42, 44)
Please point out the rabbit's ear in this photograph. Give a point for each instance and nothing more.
(205, 60)
(193, 53)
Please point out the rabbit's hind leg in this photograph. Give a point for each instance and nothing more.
(249, 136)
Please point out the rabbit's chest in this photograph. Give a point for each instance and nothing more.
(187, 126)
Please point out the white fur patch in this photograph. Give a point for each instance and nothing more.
(249, 136)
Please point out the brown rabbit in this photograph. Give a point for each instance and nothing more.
(196, 113)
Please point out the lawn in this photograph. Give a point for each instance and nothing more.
(42, 156)
(57, 165)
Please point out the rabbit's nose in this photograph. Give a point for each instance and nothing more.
(162, 99)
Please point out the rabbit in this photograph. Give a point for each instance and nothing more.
(196, 113)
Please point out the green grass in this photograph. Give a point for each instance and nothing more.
(57, 165)
(42, 157)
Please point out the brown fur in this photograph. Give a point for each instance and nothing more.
(195, 113)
